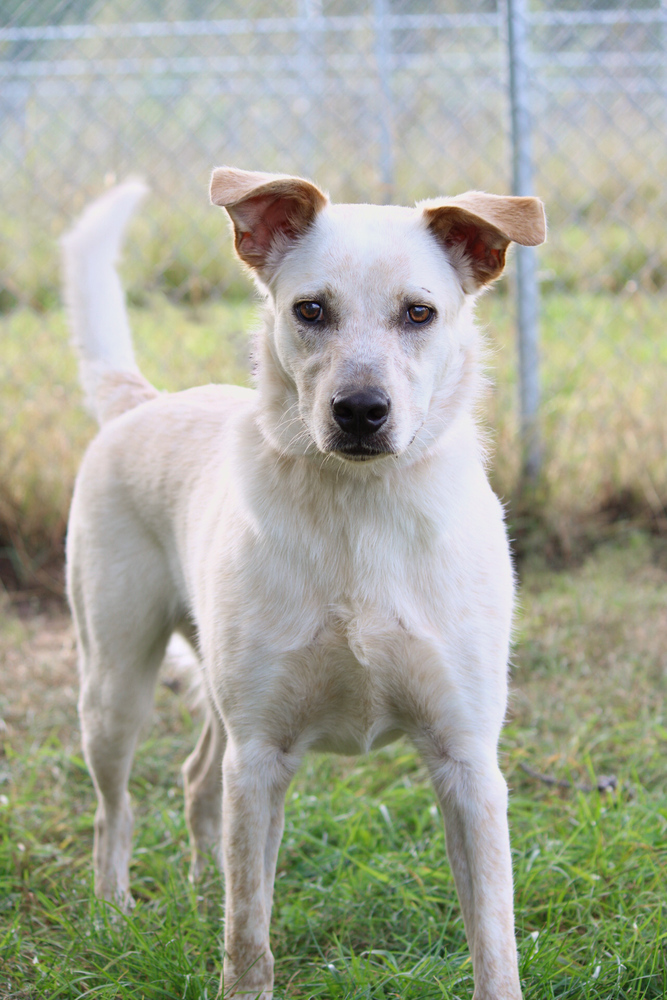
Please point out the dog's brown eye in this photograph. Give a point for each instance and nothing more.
(312, 312)
(419, 314)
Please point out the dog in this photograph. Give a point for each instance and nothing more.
(328, 541)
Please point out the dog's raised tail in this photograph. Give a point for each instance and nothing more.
(96, 304)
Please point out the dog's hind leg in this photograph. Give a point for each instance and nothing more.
(116, 695)
(202, 784)
(123, 624)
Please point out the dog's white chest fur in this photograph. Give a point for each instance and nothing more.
(342, 701)
(388, 609)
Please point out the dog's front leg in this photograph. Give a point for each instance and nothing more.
(255, 780)
(473, 799)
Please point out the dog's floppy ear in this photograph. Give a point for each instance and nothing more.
(476, 228)
(269, 211)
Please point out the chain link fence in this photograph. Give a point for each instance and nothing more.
(377, 100)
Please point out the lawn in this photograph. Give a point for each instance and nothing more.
(365, 904)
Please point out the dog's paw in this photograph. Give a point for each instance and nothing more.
(254, 982)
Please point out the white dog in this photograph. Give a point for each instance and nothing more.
(328, 541)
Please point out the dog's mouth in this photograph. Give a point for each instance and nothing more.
(357, 449)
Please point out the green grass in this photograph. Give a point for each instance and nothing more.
(604, 367)
(365, 903)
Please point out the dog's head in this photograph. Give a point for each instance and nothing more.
(370, 350)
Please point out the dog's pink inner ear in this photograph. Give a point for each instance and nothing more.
(269, 211)
(487, 261)
(476, 228)
(259, 222)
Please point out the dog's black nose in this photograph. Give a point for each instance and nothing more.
(360, 413)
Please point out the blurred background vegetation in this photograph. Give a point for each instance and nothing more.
(386, 100)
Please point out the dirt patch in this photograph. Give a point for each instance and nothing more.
(38, 663)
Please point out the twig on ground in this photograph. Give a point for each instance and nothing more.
(603, 783)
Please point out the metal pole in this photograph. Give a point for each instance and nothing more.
(528, 299)
(663, 39)
(383, 61)
(310, 12)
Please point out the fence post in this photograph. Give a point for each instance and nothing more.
(528, 303)
(383, 60)
(308, 103)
